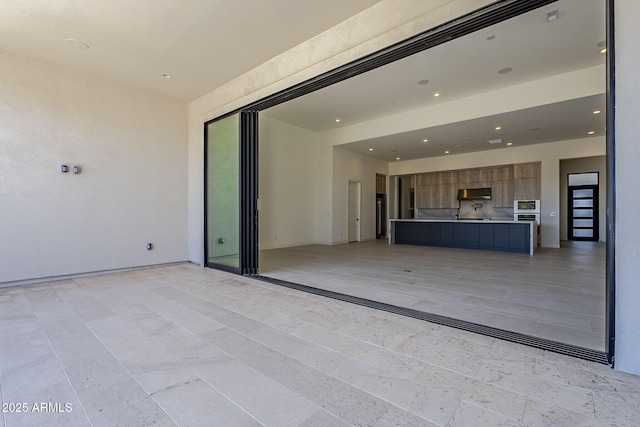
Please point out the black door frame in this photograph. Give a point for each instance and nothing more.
(595, 208)
(248, 200)
(493, 13)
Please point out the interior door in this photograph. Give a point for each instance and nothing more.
(583, 213)
(354, 212)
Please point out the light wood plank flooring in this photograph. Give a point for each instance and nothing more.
(557, 294)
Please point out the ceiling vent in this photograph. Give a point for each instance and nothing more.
(494, 141)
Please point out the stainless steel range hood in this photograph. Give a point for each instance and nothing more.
(474, 194)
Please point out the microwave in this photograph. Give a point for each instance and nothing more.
(526, 206)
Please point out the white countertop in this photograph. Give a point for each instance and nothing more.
(490, 221)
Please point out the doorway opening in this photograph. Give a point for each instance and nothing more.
(332, 156)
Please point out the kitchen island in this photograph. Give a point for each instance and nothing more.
(497, 235)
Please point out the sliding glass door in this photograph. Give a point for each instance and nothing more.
(222, 187)
(231, 193)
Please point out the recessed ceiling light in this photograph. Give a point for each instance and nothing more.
(166, 76)
(78, 44)
(370, 149)
(506, 70)
(446, 152)
(498, 127)
(509, 143)
(425, 140)
(591, 132)
(603, 50)
(337, 120)
(423, 82)
(436, 94)
(597, 112)
(397, 158)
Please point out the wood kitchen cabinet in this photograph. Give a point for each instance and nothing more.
(426, 179)
(425, 196)
(502, 186)
(381, 184)
(526, 170)
(502, 194)
(502, 173)
(437, 190)
(519, 181)
(527, 181)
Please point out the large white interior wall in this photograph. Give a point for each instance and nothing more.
(288, 174)
(132, 148)
(350, 166)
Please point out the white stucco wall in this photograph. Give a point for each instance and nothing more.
(131, 146)
(288, 174)
(627, 158)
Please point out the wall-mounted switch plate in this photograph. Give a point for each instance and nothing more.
(77, 169)
(64, 168)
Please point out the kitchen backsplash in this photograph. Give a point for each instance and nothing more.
(469, 209)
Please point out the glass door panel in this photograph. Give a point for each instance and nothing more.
(583, 213)
(222, 246)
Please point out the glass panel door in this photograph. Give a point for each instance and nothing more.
(222, 187)
(583, 212)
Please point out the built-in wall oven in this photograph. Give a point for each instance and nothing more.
(526, 207)
(527, 217)
(528, 210)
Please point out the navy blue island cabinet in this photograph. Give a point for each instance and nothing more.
(510, 236)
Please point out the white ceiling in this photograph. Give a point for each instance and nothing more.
(531, 46)
(202, 44)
